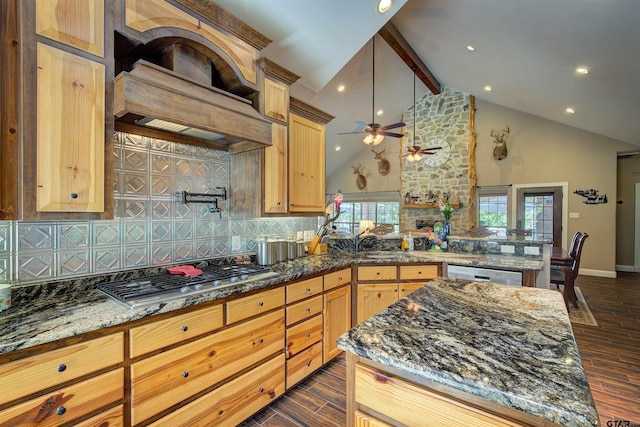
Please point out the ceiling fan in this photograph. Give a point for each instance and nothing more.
(375, 132)
(415, 152)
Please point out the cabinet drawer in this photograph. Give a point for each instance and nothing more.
(304, 310)
(36, 373)
(233, 402)
(109, 418)
(170, 331)
(382, 272)
(67, 404)
(166, 379)
(304, 289)
(303, 335)
(337, 278)
(303, 364)
(413, 272)
(244, 308)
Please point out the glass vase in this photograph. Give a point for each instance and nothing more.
(446, 229)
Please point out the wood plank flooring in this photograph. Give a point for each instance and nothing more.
(610, 354)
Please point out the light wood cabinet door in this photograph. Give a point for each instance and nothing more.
(42, 371)
(70, 132)
(363, 420)
(337, 320)
(303, 364)
(75, 23)
(374, 298)
(405, 289)
(306, 165)
(337, 278)
(64, 405)
(276, 171)
(303, 335)
(304, 310)
(276, 99)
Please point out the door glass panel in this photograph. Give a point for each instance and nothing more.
(538, 215)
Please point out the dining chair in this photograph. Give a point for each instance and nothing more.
(567, 275)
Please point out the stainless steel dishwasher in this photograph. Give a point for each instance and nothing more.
(481, 274)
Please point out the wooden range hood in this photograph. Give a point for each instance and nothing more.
(154, 101)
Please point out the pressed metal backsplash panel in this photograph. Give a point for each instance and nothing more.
(148, 228)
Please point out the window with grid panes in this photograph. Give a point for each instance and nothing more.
(387, 213)
(493, 209)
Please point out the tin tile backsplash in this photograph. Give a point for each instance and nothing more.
(149, 227)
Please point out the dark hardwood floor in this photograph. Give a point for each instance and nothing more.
(610, 355)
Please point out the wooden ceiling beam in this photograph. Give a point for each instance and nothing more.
(394, 39)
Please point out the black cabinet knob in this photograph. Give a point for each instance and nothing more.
(185, 328)
(74, 195)
(62, 367)
(61, 410)
(185, 374)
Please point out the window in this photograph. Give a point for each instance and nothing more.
(493, 208)
(387, 213)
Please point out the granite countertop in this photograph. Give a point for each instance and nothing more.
(509, 345)
(48, 312)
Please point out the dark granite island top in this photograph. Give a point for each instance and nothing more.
(507, 345)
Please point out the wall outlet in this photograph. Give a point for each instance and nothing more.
(299, 235)
(531, 250)
(574, 214)
(507, 249)
(236, 243)
(308, 235)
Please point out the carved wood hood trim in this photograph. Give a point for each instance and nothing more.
(153, 92)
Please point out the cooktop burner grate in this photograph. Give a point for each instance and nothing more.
(164, 287)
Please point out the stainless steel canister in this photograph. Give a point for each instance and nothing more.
(292, 250)
(282, 250)
(300, 249)
(266, 252)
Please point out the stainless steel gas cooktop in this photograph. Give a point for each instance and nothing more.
(166, 287)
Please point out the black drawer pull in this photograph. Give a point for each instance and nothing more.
(308, 335)
(260, 340)
(74, 195)
(61, 410)
(308, 290)
(185, 328)
(62, 367)
(185, 374)
(308, 363)
(260, 304)
(260, 389)
(308, 309)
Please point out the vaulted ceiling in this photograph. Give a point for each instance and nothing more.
(527, 51)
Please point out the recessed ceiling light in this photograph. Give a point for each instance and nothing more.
(380, 112)
(487, 88)
(582, 70)
(384, 5)
(570, 110)
(341, 88)
(470, 48)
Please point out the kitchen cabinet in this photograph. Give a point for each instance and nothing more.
(380, 286)
(60, 58)
(276, 171)
(77, 380)
(306, 165)
(166, 379)
(276, 99)
(337, 319)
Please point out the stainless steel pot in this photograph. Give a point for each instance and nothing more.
(282, 250)
(300, 249)
(266, 252)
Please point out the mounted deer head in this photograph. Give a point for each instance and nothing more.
(500, 150)
(384, 167)
(361, 181)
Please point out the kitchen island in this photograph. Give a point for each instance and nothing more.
(458, 352)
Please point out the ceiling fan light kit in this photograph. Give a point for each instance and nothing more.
(375, 132)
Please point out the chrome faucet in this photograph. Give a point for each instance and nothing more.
(359, 240)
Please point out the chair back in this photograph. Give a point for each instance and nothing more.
(573, 247)
(579, 244)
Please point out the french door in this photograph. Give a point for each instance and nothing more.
(540, 209)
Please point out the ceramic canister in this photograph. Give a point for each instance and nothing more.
(5, 296)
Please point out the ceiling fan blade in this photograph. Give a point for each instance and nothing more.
(362, 124)
(349, 133)
(395, 135)
(393, 126)
(429, 150)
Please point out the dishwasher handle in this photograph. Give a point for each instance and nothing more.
(482, 278)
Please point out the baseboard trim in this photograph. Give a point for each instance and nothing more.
(627, 268)
(597, 273)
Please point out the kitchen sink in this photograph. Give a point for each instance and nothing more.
(384, 255)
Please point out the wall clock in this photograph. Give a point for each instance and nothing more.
(439, 157)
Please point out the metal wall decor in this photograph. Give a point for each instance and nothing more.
(592, 197)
